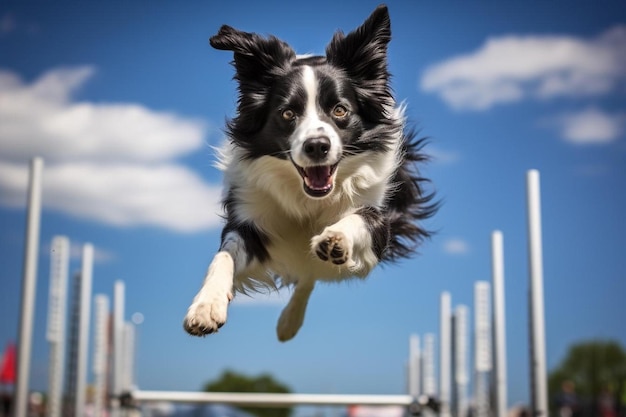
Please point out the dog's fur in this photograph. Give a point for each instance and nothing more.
(321, 182)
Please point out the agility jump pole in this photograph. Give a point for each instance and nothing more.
(499, 324)
(29, 285)
(538, 389)
(414, 405)
(270, 400)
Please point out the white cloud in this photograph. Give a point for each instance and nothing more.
(112, 163)
(512, 68)
(41, 118)
(162, 195)
(456, 246)
(591, 126)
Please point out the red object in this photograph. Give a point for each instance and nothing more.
(7, 370)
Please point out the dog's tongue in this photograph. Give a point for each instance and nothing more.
(318, 178)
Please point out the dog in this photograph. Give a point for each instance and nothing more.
(321, 175)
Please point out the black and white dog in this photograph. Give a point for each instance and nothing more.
(321, 182)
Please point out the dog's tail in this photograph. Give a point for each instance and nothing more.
(409, 204)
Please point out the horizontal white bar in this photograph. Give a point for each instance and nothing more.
(275, 400)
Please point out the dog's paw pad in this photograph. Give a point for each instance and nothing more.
(333, 247)
(205, 318)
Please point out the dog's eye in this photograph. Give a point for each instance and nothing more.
(340, 111)
(288, 114)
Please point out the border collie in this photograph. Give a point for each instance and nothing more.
(321, 182)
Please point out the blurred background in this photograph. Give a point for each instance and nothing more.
(125, 100)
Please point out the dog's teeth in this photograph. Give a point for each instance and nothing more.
(318, 177)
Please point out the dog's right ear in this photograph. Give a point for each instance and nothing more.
(257, 59)
(362, 53)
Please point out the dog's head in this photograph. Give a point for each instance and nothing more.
(312, 110)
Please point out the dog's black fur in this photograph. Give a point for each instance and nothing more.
(331, 124)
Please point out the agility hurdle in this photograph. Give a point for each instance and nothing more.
(414, 405)
(269, 400)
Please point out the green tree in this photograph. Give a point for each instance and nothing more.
(593, 366)
(231, 381)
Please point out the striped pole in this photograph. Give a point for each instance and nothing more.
(482, 347)
(57, 303)
(83, 329)
(414, 372)
(461, 376)
(429, 383)
(445, 353)
(119, 291)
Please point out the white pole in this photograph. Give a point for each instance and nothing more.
(101, 317)
(269, 400)
(83, 329)
(29, 285)
(118, 336)
(499, 323)
(414, 366)
(118, 345)
(461, 376)
(128, 376)
(428, 365)
(482, 350)
(57, 302)
(539, 393)
(482, 326)
(445, 352)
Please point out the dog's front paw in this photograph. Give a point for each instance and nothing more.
(334, 247)
(206, 316)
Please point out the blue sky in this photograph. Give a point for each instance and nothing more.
(124, 101)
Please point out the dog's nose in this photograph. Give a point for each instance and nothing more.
(317, 148)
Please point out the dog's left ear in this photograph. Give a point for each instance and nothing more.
(257, 59)
(363, 52)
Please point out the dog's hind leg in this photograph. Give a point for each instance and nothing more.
(292, 316)
(208, 310)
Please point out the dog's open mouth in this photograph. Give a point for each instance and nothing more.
(318, 180)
